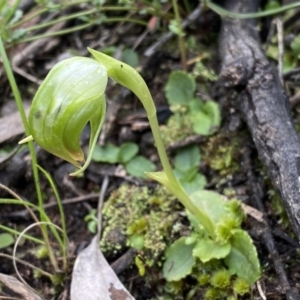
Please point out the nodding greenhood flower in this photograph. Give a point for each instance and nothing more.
(71, 96)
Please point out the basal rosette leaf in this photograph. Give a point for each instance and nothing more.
(179, 260)
(242, 259)
(207, 249)
(71, 96)
(224, 214)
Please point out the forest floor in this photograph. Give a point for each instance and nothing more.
(226, 160)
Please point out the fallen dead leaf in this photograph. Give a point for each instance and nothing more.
(18, 287)
(94, 279)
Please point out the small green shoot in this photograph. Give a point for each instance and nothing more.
(180, 88)
(201, 117)
(92, 221)
(6, 240)
(135, 165)
(186, 163)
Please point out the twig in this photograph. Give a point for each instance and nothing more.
(194, 15)
(260, 290)
(24, 213)
(124, 261)
(33, 47)
(104, 186)
(290, 73)
(280, 48)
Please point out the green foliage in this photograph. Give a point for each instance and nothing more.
(279, 209)
(242, 259)
(179, 260)
(180, 88)
(138, 165)
(295, 45)
(140, 265)
(127, 152)
(176, 28)
(191, 115)
(200, 70)
(241, 286)
(41, 252)
(187, 158)
(229, 243)
(211, 294)
(186, 164)
(6, 240)
(126, 155)
(130, 57)
(220, 279)
(108, 153)
(222, 153)
(207, 249)
(92, 221)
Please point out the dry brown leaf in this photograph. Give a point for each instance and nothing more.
(18, 287)
(11, 126)
(94, 279)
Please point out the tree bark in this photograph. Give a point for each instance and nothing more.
(264, 105)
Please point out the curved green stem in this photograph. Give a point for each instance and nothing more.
(62, 216)
(43, 10)
(12, 11)
(131, 79)
(225, 13)
(78, 28)
(16, 232)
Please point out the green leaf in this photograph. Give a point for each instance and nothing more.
(213, 111)
(207, 249)
(242, 259)
(138, 166)
(127, 152)
(180, 88)
(201, 122)
(17, 34)
(198, 183)
(295, 45)
(137, 241)
(211, 202)
(108, 154)
(130, 57)
(187, 158)
(179, 260)
(6, 240)
(176, 28)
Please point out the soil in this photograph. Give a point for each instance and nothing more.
(245, 177)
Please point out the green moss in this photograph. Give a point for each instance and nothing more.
(203, 279)
(211, 294)
(179, 126)
(221, 153)
(279, 209)
(220, 279)
(144, 217)
(241, 287)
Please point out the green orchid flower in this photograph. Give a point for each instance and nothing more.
(71, 96)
